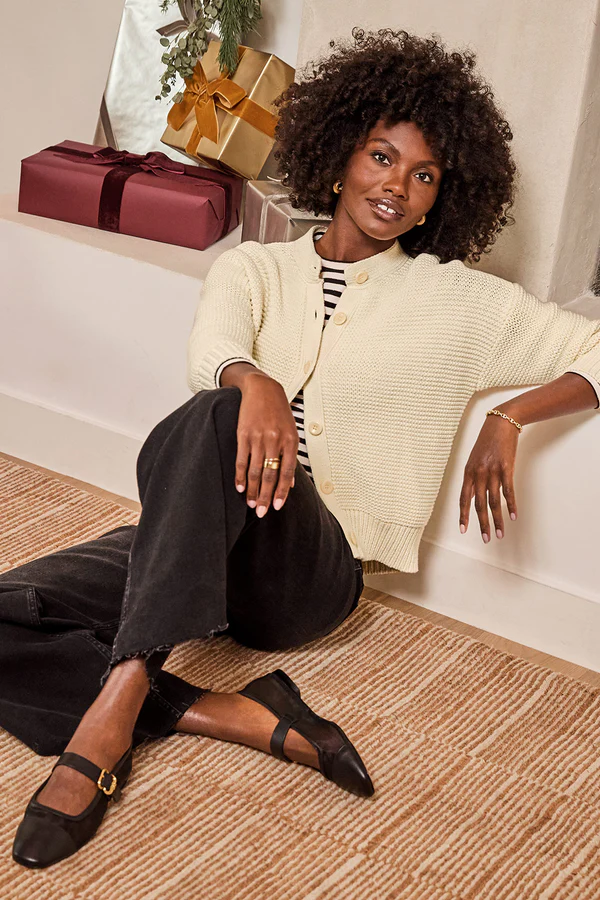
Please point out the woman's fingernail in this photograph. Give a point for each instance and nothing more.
(261, 511)
(252, 503)
(278, 503)
(239, 487)
(462, 529)
(485, 537)
(513, 516)
(498, 532)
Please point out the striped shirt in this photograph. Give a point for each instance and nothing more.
(334, 282)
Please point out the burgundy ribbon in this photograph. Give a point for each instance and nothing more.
(125, 164)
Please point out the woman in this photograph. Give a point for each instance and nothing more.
(400, 142)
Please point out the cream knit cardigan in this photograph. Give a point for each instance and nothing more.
(387, 380)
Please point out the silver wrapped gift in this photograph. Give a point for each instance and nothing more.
(130, 117)
(269, 216)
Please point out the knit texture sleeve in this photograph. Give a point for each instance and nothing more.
(539, 342)
(225, 323)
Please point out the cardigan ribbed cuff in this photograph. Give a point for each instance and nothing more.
(588, 362)
(202, 376)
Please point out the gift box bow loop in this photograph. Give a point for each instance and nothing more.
(188, 17)
(204, 96)
(155, 162)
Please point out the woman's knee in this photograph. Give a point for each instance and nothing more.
(277, 636)
(221, 404)
(227, 401)
(227, 397)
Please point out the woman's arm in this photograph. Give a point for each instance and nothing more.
(491, 464)
(570, 393)
(538, 342)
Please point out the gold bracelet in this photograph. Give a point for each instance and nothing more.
(504, 416)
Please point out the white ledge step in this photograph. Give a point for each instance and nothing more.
(96, 324)
(183, 260)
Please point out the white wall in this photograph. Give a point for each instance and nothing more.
(279, 29)
(576, 251)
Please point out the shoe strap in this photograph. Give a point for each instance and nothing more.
(105, 781)
(279, 735)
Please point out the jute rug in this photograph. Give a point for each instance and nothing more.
(486, 767)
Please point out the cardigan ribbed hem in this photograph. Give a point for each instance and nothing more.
(391, 545)
(373, 567)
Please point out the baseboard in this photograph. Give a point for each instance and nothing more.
(70, 446)
(501, 602)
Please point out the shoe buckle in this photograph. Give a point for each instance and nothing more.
(112, 786)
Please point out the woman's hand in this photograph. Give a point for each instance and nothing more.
(490, 465)
(266, 428)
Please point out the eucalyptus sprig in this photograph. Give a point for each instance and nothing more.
(184, 49)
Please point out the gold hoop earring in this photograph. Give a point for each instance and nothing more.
(337, 187)
(421, 220)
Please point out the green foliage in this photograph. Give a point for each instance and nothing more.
(235, 18)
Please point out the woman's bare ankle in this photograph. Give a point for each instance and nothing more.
(103, 736)
(233, 717)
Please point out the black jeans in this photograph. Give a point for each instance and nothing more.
(200, 562)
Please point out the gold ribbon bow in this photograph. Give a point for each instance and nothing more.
(204, 96)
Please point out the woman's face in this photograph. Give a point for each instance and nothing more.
(395, 168)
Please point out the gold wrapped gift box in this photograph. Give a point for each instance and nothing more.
(229, 123)
(269, 216)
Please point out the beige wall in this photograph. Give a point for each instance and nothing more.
(576, 254)
(539, 55)
(56, 57)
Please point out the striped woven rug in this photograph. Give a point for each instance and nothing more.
(486, 767)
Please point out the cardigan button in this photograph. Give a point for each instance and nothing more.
(362, 277)
(339, 318)
(326, 487)
(307, 366)
(315, 428)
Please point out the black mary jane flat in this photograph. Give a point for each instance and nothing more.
(338, 758)
(45, 836)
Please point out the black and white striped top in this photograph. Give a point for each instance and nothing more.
(334, 282)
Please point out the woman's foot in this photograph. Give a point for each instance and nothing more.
(233, 717)
(103, 736)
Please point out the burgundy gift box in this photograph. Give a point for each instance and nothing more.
(149, 196)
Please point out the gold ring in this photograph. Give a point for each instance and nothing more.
(272, 463)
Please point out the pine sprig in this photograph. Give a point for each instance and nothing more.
(183, 51)
(237, 17)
